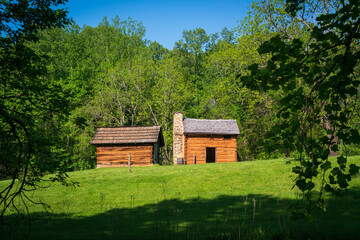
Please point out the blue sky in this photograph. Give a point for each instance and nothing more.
(164, 20)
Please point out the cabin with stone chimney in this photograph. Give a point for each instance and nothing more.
(200, 141)
(115, 144)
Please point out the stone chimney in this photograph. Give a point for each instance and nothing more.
(178, 138)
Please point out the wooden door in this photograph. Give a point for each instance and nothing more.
(210, 155)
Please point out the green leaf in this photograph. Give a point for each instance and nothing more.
(335, 171)
(301, 183)
(354, 136)
(329, 131)
(334, 148)
(326, 165)
(332, 179)
(325, 140)
(353, 169)
(310, 186)
(341, 160)
(342, 180)
(296, 169)
(328, 188)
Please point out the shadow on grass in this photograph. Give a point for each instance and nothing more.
(225, 217)
(291, 160)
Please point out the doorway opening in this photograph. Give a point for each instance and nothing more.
(210, 155)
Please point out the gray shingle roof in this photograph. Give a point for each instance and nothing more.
(127, 135)
(206, 126)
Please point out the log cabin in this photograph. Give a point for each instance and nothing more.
(114, 144)
(200, 141)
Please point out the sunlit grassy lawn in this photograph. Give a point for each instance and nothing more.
(185, 202)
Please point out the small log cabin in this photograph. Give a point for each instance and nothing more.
(114, 144)
(199, 141)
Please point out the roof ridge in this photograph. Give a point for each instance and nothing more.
(131, 126)
(210, 119)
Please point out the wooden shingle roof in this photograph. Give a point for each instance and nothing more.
(206, 126)
(127, 135)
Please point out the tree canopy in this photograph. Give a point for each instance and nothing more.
(316, 80)
(30, 103)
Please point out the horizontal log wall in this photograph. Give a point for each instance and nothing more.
(117, 156)
(226, 149)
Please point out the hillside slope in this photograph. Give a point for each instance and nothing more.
(227, 200)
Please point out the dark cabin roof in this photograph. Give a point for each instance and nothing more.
(215, 127)
(127, 135)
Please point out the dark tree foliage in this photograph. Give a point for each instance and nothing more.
(318, 84)
(29, 101)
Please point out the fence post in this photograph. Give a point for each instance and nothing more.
(194, 159)
(129, 162)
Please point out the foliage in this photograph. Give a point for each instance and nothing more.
(317, 80)
(251, 109)
(31, 104)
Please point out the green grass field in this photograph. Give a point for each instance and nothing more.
(245, 200)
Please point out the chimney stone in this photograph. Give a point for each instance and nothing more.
(178, 138)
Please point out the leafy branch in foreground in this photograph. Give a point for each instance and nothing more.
(317, 87)
(30, 104)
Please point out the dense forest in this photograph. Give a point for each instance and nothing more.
(111, 75)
